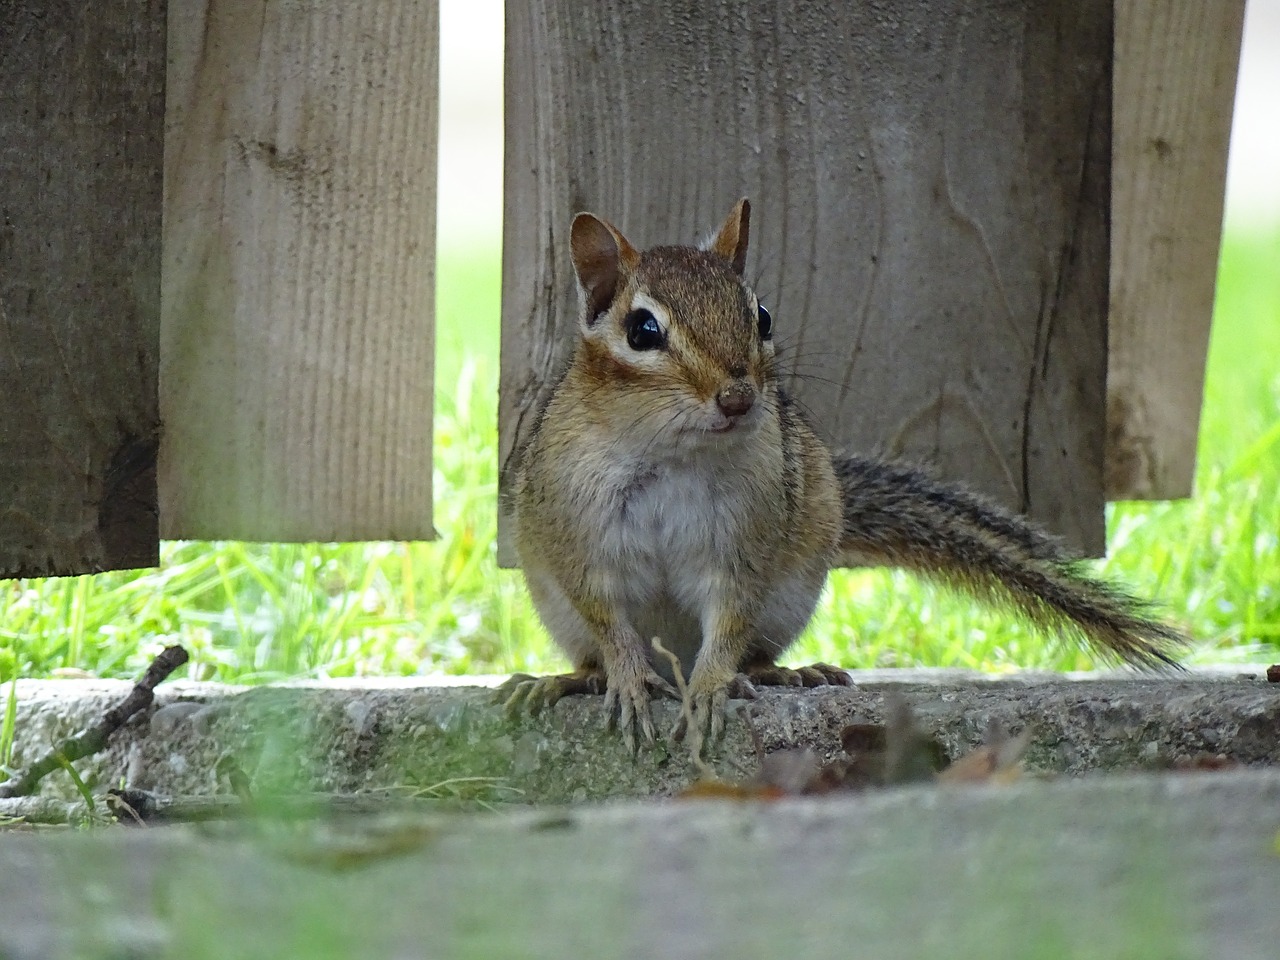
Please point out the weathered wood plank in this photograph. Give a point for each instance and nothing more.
(930, 187)
(81, 147)
(1175, 80)
(299, 270)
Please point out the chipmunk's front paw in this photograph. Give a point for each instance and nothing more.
(709, 697)
(769, 674)
(522, 692)
(630, 689)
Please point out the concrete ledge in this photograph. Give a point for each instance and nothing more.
(348, 737)
(1144, 867)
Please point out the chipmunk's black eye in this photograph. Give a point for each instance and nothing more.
(644, 331)
(765, 322)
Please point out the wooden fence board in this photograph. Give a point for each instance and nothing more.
(297, 334)
(81, 147)
(930, 188)
(1175, 79)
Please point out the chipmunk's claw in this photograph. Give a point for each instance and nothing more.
(815, 675)
(627, 703)
(523, 693)
(627, 714)
(708, 705)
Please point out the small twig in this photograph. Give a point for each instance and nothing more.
(94, 738)
(42, 812)
(686, 711)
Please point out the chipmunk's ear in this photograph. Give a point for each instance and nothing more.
(731, 240)
(601, 258)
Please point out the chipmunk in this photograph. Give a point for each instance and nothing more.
(671, 488)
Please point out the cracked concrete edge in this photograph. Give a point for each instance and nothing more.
(450, 740)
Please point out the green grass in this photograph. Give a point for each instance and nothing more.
(256, 612)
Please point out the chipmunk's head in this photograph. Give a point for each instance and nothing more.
(679, 326)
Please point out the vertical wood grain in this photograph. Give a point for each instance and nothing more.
(297, 337)
(930, 189)
(1175, 80)
(81, 146)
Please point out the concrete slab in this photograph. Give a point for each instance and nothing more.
(1160, 866)
(356, 736)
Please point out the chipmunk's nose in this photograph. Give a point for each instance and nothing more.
(736, 398)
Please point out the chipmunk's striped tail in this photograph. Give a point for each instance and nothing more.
(896, 515)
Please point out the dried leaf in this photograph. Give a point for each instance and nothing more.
(997, 760)
(1204, 762)
(706, 789)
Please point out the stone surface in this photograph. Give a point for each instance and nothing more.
(1142, 867)
(1159, 865)
(450, 738)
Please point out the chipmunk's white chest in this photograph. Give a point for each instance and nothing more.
(676, 514)
(667, 544)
